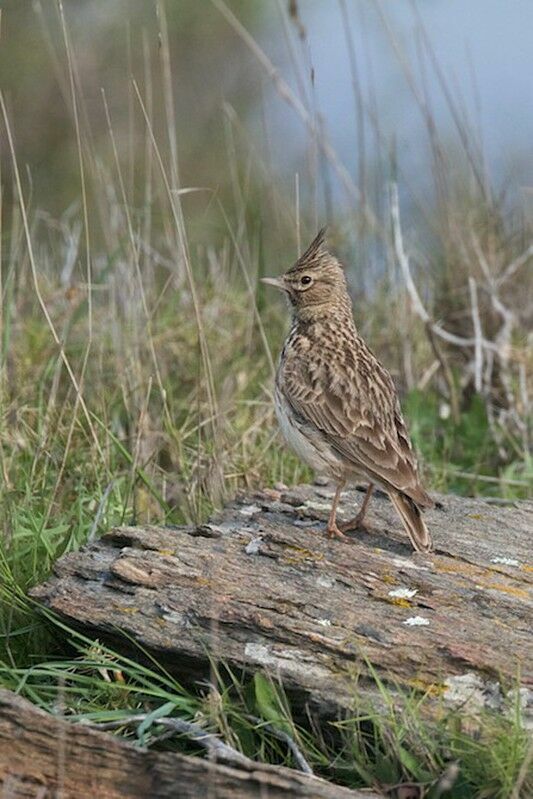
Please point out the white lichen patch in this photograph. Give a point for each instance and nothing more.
(317, 505)
(249, 510)
(223, 528)
(253, 546)
(294, 664)
(505, 561)
(416, 621)
(258, 653)
(324, 622)
(409, 563)
(173, 616)
(469, 692)
(403, 593)
(325, 582)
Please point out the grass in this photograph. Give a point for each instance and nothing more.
(136, 360)
(462, 456)
(477, 757)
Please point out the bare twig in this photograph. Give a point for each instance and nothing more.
(418, 305)
(401, 255)
(506, 416)
(478, 346)
(432, 329)
(428, 375)
(502, 343)
(515, 265)
(216, 748)
(299, 758)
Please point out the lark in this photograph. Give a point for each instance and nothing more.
(337, 406)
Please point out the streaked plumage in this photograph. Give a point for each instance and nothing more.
(336, 404)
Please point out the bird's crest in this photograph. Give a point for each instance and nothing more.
(315, 253)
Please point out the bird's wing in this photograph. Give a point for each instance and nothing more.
(353, 400)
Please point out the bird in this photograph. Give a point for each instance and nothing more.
(336, 404)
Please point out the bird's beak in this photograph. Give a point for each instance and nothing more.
(277, 282)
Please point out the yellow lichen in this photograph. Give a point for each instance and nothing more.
(300, 554)
(430, 688)
(403, 603)
(456, 567)
(507, 589)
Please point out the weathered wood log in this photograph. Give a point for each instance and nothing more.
(44, 756)
(261, 586)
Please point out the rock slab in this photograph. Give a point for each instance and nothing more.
(261, 586)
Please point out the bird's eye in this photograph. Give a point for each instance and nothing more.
(306, 280)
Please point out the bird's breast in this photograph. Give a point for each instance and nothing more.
(306, 442)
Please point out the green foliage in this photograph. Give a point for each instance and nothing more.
(462, 455)
(484, 754)
(268, 701)
(481, 757)
(165, 409)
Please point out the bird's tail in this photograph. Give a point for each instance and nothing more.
(412, 521)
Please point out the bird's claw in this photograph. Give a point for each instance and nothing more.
(335, 532)
(353, 524)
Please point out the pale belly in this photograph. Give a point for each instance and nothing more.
(308, 443)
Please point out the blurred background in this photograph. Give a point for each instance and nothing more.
(157, 158)
(368, 74)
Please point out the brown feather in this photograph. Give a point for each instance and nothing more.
(347, 395)
(413, 522)
(339, 393)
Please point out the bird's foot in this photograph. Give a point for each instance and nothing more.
(357, 523)
(334, 531)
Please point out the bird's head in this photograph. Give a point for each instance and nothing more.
(315, 282)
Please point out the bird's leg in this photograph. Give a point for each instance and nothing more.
(358, 520)
(332, 529)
